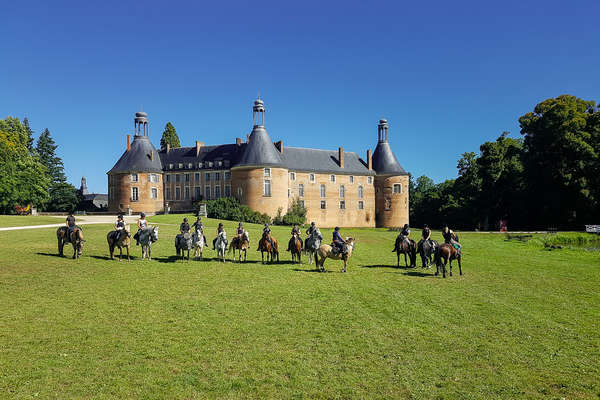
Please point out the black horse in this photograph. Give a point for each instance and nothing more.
(427, 249)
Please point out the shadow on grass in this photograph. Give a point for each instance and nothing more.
(107, 258)
(418, 273)
(50, 255)
(386, 266)
(311, 270)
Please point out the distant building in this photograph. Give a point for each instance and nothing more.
(92, 201)
(337, 188)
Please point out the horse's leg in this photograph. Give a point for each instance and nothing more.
(120, 253)
(149, 250)
(444, 267)
(128, 259)
(459, 266)
(450, 266)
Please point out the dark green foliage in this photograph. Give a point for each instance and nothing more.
(229, 208)
(296, 214)
(46, 150)
(30, 139)
(63, 197)
(169, 136)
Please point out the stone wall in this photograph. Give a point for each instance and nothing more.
(391, 208)
(120, 191)
(248, 185)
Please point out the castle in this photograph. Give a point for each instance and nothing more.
(337, 188)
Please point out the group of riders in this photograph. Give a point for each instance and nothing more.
(448, 234)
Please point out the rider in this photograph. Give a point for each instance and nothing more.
(295, 232)
(451, 238)
(339, 243)
(220, 229)
(266, 235)
(198, 226)
(185, 226)
(309, 231)
(142, 224)
(240, 231)
(119, 226)
(70, 222)
(405, 231)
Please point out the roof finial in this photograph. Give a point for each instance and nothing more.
(259, 94)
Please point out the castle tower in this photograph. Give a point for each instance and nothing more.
(83, 189)
(135, 182)
(259, 179)
(391, 182)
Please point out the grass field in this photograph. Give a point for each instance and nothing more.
(523, 322)
(28, 220)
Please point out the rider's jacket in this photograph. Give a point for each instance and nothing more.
(198, 225)
(405, 232)
(448, 236)
(240, 231)
(267, 230)
(120, 225)
(184, 227)
(337, 237)
(426, 233)
(296, 231)
(310, 230)
(142, 223)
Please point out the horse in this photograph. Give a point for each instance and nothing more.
(408, 247)
(124, 241)
(447, 252)
(241, 245)
(183, 242)
(326, 251)
(75, 238)
(295, 247)
(313, 242)
(221, 245)
(199, 243)
(146, 238)
(265, 247)
(427, 248)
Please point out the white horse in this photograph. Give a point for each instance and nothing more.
(146, 238)
(199, 243)
(221, 246)
(313, 242)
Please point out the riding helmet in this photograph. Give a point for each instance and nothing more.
(185, 219)
(337, 228)
(143, 215)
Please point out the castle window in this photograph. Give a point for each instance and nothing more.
(397, 188)
(217, 192)
(197, 193)
(351, 179)
(267, 188)
(323, 191)
(199, 165)
(170, 166)
(177, 177)
(301, 190)
(134, 194)
(187, 193)
(342, 191)
(180, 165)
(240, 192)
(332, 178)
(323, 204)
(197, 177)
(187, 177)
(190, 165)
(227, 191)
(154, 193)
(168, 193)
(289, 193)
(267, 172)
(153, 178)
(311, 177)
(361, 205)
(177, 193)
(388, 203)
(370, 180)
(207, 176)
(217, 176)
(168, 178)
(207, 192)
(226, 163)
(134, 177)
(360, 192)
(301, 203)
(342, 205)
(210, 164)
(376, 190)
(220, 163)
(292, 176)
(227, 176)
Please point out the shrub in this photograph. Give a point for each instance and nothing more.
(296, 214)
(229, 208)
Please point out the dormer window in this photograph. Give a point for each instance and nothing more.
(332, 178)
(170, 166)
(190, 166)
(210, 164)
(370, 179)
(220, 163)
(134, 177)
(180, 166)
(199, 165)
(267, 172)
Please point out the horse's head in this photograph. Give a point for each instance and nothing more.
(154, 233)
(223, 235)
(246, 235)
(350, 241)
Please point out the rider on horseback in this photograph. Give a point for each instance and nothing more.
(70, 222)
(220, 229)
(451, 238)
(309, 232)
(266, 235)
(339, 244)
(240, 231)
(185, 226)
(295, 234)
(425, 236)
(119, 227)
(198, 226)
(142, 224)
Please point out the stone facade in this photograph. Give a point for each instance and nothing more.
(138, 192)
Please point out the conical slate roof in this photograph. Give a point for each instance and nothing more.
(260, 150)
(385, 162)
(138, 159)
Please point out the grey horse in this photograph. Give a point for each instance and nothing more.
(313, 242)
(184, 242)
(146, 238)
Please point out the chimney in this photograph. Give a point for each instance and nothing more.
(247, 138)
(279, 146)
(341, 156)
(168, 148)
(238, 141)
(128, 142)
(198, 146)
(369, 160)
(151, 155)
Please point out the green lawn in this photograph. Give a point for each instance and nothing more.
(26, 220)
(521, 323)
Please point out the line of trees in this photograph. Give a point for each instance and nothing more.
(31, 175)
(548, 178)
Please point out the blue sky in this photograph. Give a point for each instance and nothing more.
(447, 75)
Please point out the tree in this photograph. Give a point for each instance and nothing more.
(46, 150)
(169, 137)
(30, 139)
(63, 197)
(561, 161)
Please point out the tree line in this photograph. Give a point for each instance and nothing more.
(548, 178)
(30, 171)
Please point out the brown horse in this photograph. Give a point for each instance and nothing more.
(447, 252)
(75, 238)
(326, 251)
(123, 242)
(295, 247)
(264, 246)
(241, 244)
(408, 247)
